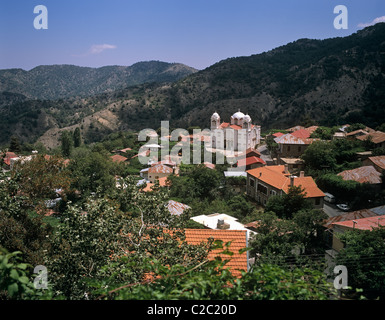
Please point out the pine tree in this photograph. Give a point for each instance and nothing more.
(77, 138)
(14, 145)
(66, 143)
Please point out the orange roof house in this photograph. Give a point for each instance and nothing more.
(238, 261)
(264, 182)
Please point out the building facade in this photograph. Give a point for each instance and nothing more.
(238, 135)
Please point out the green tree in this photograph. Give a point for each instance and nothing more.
(40, 177)
(14, 281)
(363, 255)
(211, 281)
(77, 138)
(319, 155)
(284, 206)
(275, 240)
(66, 143)
(14, 145)
(310, 230)
(96, 241)
(91, 171)
(20, 228)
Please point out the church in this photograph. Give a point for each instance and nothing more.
(238, 135)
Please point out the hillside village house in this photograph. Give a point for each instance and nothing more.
(230, 136)
(365, 174)
(377, 162)
(376, 137)
(290, 146)
(264, 182)
(368, 224)
(156, 172)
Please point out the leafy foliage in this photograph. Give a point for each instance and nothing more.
(363, 255)
(14, 281)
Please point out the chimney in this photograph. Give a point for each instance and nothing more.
(222, 225)
(302, 174)
(286, 169)
(292, 181)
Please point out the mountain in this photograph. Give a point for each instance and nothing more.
(63, 81)
(326, 82)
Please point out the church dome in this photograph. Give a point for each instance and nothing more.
(215, 116)
(247, 118)
(238, 115)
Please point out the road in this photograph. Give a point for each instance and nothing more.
(265, 155)
(331, 210)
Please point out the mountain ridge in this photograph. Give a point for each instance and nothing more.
(308, 81)
(51, 82)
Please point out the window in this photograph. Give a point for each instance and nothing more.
(262, 189)
(273, 193)
(299, 149)
(317, 201)
(251, 183)
(288, 148)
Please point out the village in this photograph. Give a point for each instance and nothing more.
(258, 169)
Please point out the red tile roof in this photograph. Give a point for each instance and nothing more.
(250, 160)
(363, 224)
(118, 158)
(238, 261)
(278, 134)
(363, 174)
(354, 215)
(302, 133)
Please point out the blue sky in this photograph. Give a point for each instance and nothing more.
(198, 33)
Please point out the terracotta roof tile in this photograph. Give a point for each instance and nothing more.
(8, 157)
(276, 177)
(302, 133)
(118, 158)
(250, 160)
(238, 241)
(354, 215)
(363, 224)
